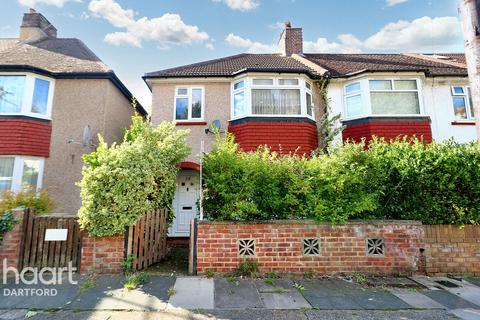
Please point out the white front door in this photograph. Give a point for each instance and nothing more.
(185, 203)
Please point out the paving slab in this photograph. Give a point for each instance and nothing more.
(281, 295)
(278, 284)
(238, 294)
(378, 300)
(379, 315)
(193, 293)
(449, 300)
(341, 295)
(416, 299)
(466, 314)
(395, 282)
(35, 296)
(291, 299)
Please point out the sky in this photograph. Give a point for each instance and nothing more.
(138, 36)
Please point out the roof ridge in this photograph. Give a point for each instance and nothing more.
(201, 63)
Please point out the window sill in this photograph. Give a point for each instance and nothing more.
(190, 123)
(463, 123)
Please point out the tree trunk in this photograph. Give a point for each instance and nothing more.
(469, 14)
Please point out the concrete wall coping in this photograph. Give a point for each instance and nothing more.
(313, 222)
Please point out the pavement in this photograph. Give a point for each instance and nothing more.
(175, 298)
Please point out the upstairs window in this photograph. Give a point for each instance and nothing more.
(20, 173)
(272, 97)
(25, 95)
(382, 97)
(462, 103)
(189, 104)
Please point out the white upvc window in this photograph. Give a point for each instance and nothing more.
(189, 104)
(462, 103)
(272, 97)
(26, 94)
(383, 97)
(20, 173)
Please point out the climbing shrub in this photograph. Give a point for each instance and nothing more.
(400, 179)
(123, 181)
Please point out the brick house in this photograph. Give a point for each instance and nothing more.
(274, 99)
(56, 95)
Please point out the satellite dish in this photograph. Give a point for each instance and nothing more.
(217, 124)
(86, 136)
(214, 127)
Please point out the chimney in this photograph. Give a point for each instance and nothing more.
(291, 40)
(36, 27)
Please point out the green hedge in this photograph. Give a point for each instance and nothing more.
(123, 181)
(434, 183)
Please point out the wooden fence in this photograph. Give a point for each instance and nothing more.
(147, 240)
(37, 251)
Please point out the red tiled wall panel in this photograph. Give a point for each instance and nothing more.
(25, 137)
(283, 137)
(388, 130)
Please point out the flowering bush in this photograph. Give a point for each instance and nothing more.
(123, 181)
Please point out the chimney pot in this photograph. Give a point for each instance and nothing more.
(32, 10)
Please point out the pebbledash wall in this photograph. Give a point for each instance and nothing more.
(302, 246)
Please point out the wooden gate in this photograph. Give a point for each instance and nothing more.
(37, 251)
(147, 240)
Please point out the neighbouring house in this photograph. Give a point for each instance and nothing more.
(275, 100)
(56, 95)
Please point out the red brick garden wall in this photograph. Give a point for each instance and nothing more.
(452, 249)
(10, 246)
(278, 246)
(102, 254)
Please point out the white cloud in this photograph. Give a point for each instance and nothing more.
(33, 3)
(167, 30)
(424, 34)
(348, 43)
(421, 34)
(240, 5)
(391, 3)
(251, 46)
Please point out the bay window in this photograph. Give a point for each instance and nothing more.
(29, 95)
(189, 103)
(20, 173)
(264, 96)
(382, 97)
(462, 103)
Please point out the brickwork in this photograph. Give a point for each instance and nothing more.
(102, 254)
(387, 130)
(25, 137)
(293, 41)
(283, 137)
(10, 246)
(279, 248)
(452, 249)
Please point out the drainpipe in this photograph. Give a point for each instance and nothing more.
(202, 151)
